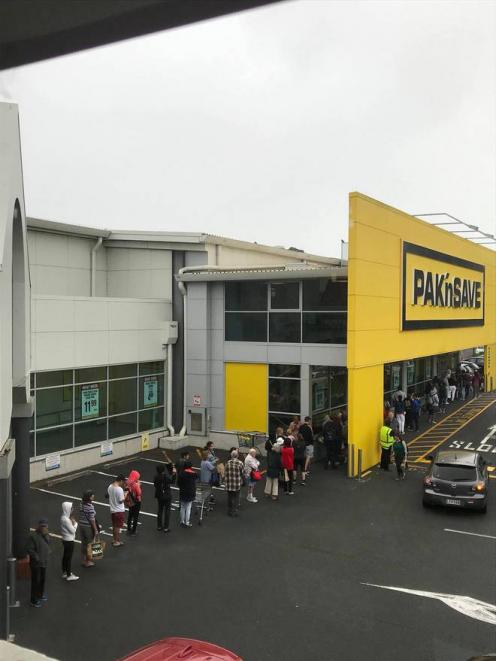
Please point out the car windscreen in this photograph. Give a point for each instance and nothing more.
(454, 473)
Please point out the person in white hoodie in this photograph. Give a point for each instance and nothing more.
(68, 527)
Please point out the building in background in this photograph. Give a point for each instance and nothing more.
(107, 339)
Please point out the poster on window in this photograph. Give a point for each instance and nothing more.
(319, 400)
(150, 391)
(90, 402)
(396, 377)
(410, 374)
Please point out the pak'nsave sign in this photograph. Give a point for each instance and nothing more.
(440, 290)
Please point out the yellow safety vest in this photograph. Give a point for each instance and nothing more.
(386, 437)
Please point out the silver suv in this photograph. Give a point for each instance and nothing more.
(456, 478)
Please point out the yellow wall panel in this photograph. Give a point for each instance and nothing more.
(246, 406)
(365, 395)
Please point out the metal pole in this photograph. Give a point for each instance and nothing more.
(349, 460)
(359, 464)
(352, 461)
(11, 564)
(7, 613)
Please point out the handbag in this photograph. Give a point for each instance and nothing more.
(96, 549)
(256, 475)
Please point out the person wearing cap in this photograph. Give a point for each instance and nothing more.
(38, 549)
(87, 527)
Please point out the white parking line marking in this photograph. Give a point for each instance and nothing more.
(464, 532)
(95, 502)
(474, 608)
(173, 505)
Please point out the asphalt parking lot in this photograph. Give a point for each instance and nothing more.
(288, 580)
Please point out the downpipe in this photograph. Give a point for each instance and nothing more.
(184, 292)
(169, 391)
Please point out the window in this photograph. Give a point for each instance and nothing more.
(324, 294)
(310, 311)
(454, 473)
(91, 374)
(48, 379)
(90, 432)
(329, 391)
(54, 406)
(285, 327)
(248, 296)
(122, 396)
(284, 395)
(68, 415)
(122, 425)
(154, 367)
(279, 420)
(246, 327)
(123, 371)
(285, 371)
(151, 419)
(285, 296)
(324, 328)
(54, 440)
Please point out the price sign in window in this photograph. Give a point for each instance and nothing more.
(150, 391)
(90, 402)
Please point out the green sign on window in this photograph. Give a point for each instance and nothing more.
(150, 392)
(90, 402)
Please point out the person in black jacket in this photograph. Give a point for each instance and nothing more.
(162, 484)
(186, 481)
(38, 549)
(273, 468)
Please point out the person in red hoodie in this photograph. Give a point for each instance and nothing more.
(287, 461)
(133, 501)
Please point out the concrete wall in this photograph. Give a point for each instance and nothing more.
(208, 353)
(139, 273)
(12, 194)
(79, 459)
(81, 332)
(61, 264)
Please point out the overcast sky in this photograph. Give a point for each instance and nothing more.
(258, 125)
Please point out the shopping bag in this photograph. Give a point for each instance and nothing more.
(96, 549)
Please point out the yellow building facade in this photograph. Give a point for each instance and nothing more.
(414, 290)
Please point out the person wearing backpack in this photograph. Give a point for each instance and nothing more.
(400, 453)
(133, 501)
(162, 483)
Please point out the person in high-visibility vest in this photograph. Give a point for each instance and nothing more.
(386, 438)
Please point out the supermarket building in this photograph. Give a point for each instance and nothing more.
(191, 336)
(112, 342)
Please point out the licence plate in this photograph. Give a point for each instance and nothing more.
(450, 501)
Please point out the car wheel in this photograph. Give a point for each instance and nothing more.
(425, 503)
(483, 510)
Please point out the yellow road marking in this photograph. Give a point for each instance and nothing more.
(439, 423)
(456, 430)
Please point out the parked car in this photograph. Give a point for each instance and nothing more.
(473, 366)
(170, 649)
(456, 478)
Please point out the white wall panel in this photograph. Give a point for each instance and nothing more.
(53, 315)
(96, 331)
(91, 315)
